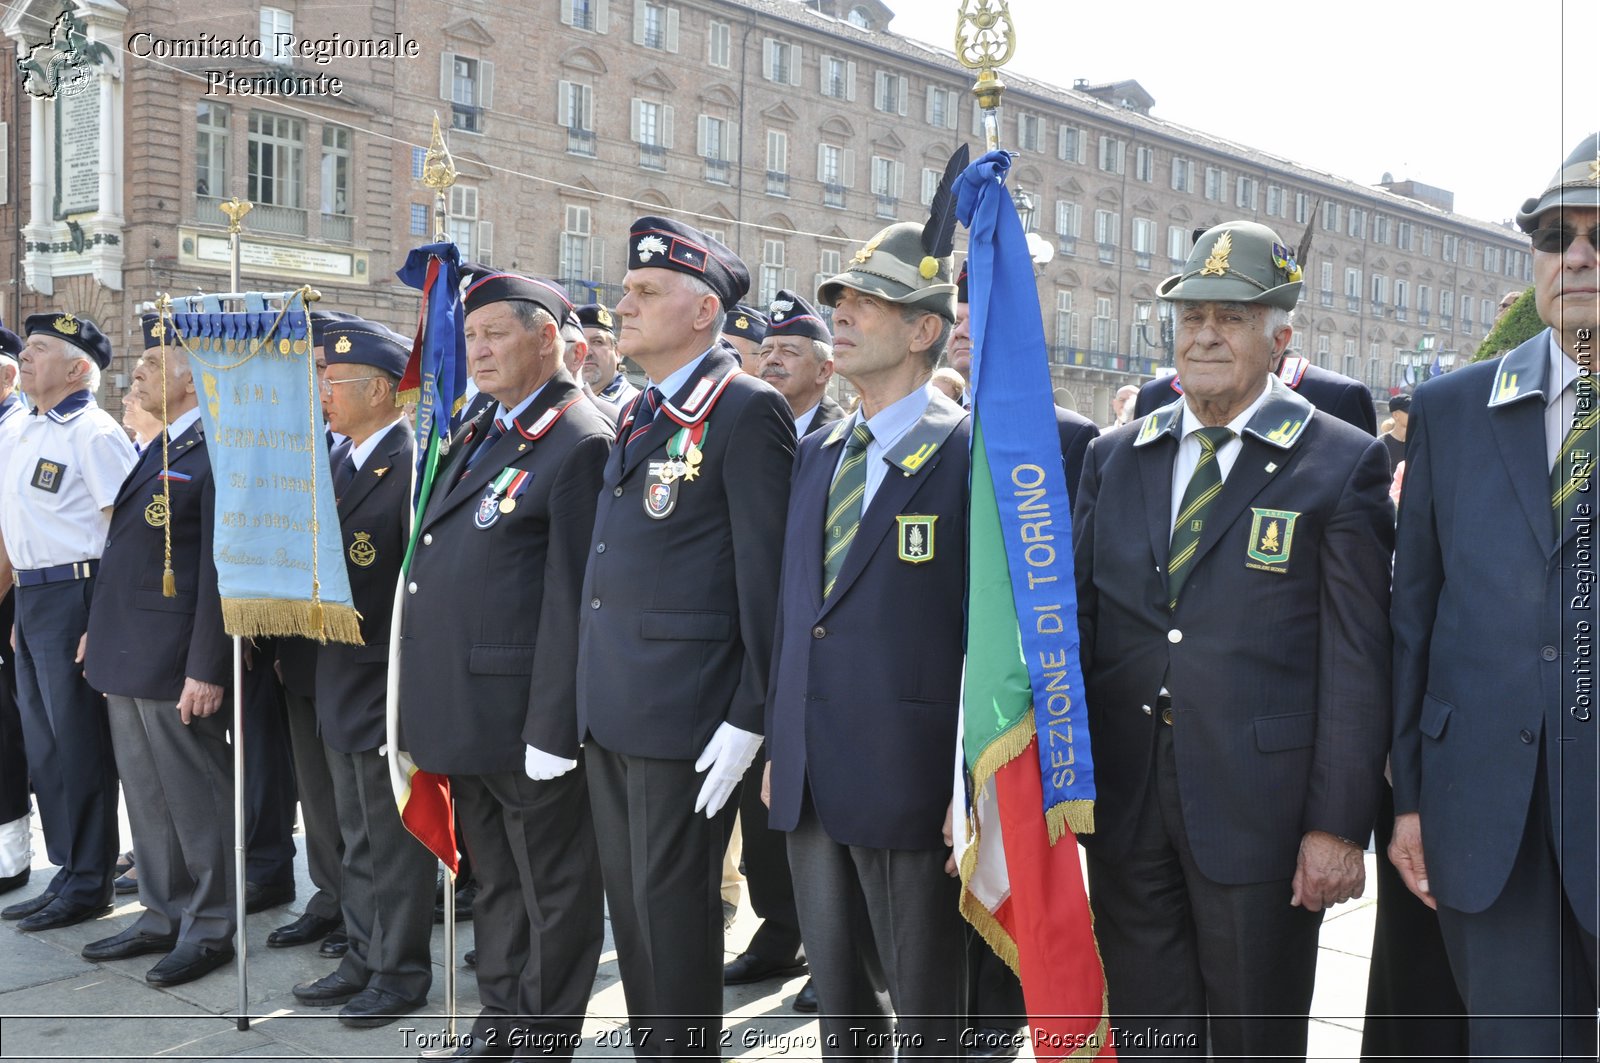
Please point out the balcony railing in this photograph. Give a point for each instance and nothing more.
(580, 142)
(1352, 303)
(1400, 313)
(717, 171)
(1378, 309)
(1108, 253)
(1327, 298)
(207, 212)
(1422, 317)
(652, 157)
(888, 206)
(777, 184)
(1141, 259)
(291, 221)
(1067, 245)
(338, 227)
(833, 195)
(466, 118)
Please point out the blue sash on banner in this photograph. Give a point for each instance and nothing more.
(280, 565)
(1016, 421)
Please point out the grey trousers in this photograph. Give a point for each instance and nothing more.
(178, 785)
(324, 845)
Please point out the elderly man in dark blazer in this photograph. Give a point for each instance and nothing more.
(164, 663)
(861, 718)
(489, 637)
(1495, 614)
(1232, 556)
(681, 588)
(386, 891)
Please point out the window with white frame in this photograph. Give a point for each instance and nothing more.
(468, 84)
(575, 113)
(574, 254)
(1467, 308)
(772, 257)
(930, 184)
(1324, 342)
(1103, 334)
(651, 124)
(1275, 201)
(1030, 129)
(1071, 144)
(1330, 216)
(1144, 240)
(1066, 320)
(1380, 292)
(335, 170)
(1107, 228)
(1380, 229)
(1352, 283)
(1068, 218)
(719, 44)
(940, 108)
(1144, 163)
(1244, 193)
(1177, 243)
(838, 78)
(1451, 243)
(1403, 235)
(889, 92)
(715, 138)
(1402, 298)
(655, 26)
(461, 221)
(1327, 277)
(827, 266)
(1356, 223)
(1113, 152)
(592, 15)
(777, 152)
(887, 176)
(1302, 208)
(212, 149)
(1182, 175)
(277, 35)
(1447, 303)
(276, 160)
(780, 61)
(1216, 183)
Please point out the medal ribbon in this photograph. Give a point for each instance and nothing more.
(501, 482)
(518, 484)
(684, 436)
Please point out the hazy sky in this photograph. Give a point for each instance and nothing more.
(1485, 101)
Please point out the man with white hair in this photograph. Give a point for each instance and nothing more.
(58, 481)
(1232, 554)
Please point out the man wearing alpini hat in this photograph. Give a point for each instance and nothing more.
(1495, 731)
(58, 480)
(861, 723)
(1237, 779)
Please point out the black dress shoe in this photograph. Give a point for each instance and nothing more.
(989, 1042)
(303, 931)
(131, 942)
(15, 882)
(186, 962)
(327, 991)
(125, 885)
(465, 896)
(61, 912)
(748, 967)
(334, 945)
(125, 862)
(806, 1000)
(378, 1007)
(258, 898)
(471, 958)
(23, 909)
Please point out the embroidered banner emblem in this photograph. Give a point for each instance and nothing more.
(914, 532)
(362, 552)
(1271, 538)
(47, 475)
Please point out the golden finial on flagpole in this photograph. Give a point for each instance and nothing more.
(235, 209)
(439, 173)
(985, 41)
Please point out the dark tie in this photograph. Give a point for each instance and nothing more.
(844, 506)
(1570, 475)
(490, 438)
(645, 413)
(1204, 486)
(344, 469)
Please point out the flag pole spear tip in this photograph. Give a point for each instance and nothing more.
(439, 173)
(986, 39)
(235, 209)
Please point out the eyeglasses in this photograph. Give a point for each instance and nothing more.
(1557, 240)
(327, 383)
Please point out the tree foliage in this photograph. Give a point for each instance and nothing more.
(1519, 324)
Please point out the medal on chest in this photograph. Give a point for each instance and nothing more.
(664, 478)
(501, 498)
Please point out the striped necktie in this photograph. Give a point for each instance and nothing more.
(649, 403)
(1570, 475)
(844, 506)
(1204, 486)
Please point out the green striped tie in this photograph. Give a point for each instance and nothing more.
(1204, 486)
(844, 506)
(1569, 476)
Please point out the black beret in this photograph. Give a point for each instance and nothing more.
(81, 332)
(1400, 404)
(746, 323)
(502, 287)
(153, 330)
(656, 243)
(793, 316)
(595, 315)
(321, 319)
(10, 342)
(360, 342)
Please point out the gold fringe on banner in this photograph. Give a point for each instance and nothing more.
(252, 617)
(1076, 817)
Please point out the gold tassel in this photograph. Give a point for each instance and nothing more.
(169, 584)
(316, 615)
(252, 617)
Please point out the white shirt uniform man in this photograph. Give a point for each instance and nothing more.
(16, 800)
(57, 484)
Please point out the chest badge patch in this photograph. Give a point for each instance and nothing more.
(47, 475)
(362, 552)
(1271, 539)
(914, 537)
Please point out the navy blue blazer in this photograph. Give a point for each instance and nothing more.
(1487, 643)
(374, 519)
(676, 632)
(1345, 397)
(861, 711)
(142, 644)
(1277, 654)
(489, 632)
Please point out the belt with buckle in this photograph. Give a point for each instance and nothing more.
(37, 577)
(1164, 708)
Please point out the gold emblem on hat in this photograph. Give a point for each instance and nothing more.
(158, 330)
(743, 322)
(155, 514)
(604, 317)
(1217, 264)
(66, 324)
(867, 250)
(362, 552)
(343, 346)
(1594, 171)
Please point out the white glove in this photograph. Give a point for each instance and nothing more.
(728, 755)
(541, 765)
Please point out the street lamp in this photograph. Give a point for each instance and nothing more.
(1164, 315)
(1039, 249)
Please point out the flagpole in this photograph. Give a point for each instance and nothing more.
(439, 174)
(986, 41)
(236, 209)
